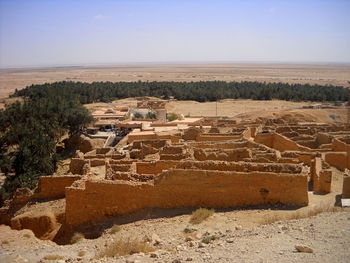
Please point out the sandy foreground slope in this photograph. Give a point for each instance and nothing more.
(327, 234)
(262, 234)
(11, 79)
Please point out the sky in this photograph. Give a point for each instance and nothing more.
(83, 32)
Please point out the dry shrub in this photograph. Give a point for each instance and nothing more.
(27, 235)
(53, 257)
(272, 218)
(125, 247)
(76, 237)
(115, 229)
(207, 239)
(5, 242)
(81, 253)
(200, 215)
(189, 230)
(312, 211)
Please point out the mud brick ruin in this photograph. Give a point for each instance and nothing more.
(214, 163)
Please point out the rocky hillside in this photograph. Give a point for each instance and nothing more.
(322, 238)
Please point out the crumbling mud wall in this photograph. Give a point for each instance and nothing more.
(232, 155)
(160, 166)
(339, 146)
(87, 144)
(44, 225)
(346, 186)
(221, 145)
(97, 162)
(340, 160)
(79, 166)
(321, 178)
(279, 142)
(183, 188)
(217, 137)
(53, 186)
(153, 136)
(249, 132)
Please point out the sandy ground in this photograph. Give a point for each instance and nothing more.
(232, 108)
(11, 79)
(243, 109)
(327, 234)
(242, 235)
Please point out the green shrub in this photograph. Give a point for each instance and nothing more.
(172, 116)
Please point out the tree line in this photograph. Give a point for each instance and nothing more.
(29, 133)
(199, 91)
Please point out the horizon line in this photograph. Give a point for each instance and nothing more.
(211, 62)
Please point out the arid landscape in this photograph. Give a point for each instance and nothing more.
(86, 211)
(11, 79)
(174, 131)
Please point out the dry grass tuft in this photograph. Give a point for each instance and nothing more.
(81, 253)
(115, 229)
(200, 215)
(53, 257)
(125, 247)
(188, 230)
(76, 237)
(207, 239)
(313, 211)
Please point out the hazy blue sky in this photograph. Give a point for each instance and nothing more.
(38, 32)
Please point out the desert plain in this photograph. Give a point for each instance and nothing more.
(245, 234)
(334, 74)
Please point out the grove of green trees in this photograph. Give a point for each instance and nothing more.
(199, 91)
(29, 133)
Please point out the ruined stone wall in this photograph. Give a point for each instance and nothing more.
(121, 161)
(324, 182)
(341, 160)
(153, 143)
(155, 167)
(183, 188)
(217, 137)
(172, 150)
(346, 187)
(53, 186)
(94, 156)
(323, 138)
(220, 145)
(231, 155)
(159, 166)
(180, 156)
(321, 178)
(97, 162)
(339, 146)
(137, 137)
(312, 143)
(282, 143)
(79, 166)
(265, 139)
(247, 133)
(279, 142)
(153, 136)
